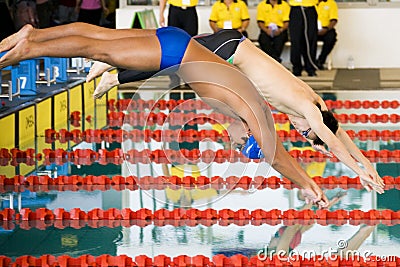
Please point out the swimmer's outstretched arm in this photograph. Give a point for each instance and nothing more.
(290, 168)
(72, 29)
(356, 153)
(314, 117)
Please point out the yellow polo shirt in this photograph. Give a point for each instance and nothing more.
(327, 11)
(306, 3)
(183, 3)
(268, 14)
(233, 16)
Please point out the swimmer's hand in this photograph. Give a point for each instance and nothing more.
(162, 21)
(315, 196)
(322, 149)
(370, 184)
(371, 171)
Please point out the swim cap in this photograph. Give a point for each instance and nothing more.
(251, 149)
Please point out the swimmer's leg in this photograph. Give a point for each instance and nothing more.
(12, 40)
(90, 31)
(109, 80)
(127, 76)
(124, 76)
(141, 53)
(77, 28)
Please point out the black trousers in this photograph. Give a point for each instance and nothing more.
(303, 30)
(44, 14)
(185, 19)
(273, 46)
(6, 23)
(329, 40)
(90, 16)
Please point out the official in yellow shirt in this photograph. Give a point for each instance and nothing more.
(273, 21)
(229, 14)
(327, 19)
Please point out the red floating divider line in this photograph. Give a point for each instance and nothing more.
(191, 118)
(119, 135)
(34, 183)
(185, 105)
(60, 218)
(88, 156)
(218, 260)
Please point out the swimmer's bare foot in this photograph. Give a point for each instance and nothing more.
(12, 40)
(18, 53)
(97, 69)
(107, 82)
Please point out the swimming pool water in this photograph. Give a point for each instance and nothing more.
(247, 239)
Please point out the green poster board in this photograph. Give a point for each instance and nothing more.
(144, 20)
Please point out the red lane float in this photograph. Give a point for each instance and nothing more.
(60, 218)
(34, 183)
(175, 119)
(218, 260)
(191, 104)
(88, 156)
(119, 135)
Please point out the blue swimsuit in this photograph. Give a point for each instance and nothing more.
(174, 42)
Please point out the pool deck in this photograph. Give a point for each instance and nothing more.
(326, 80)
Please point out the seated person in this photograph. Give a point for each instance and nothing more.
(273, 21)
(229, 14)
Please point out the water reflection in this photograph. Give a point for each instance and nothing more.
(210, 240)
(69, 241)
(247, 239)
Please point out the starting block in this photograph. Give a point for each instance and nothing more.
(27, 74)
(11, 93)
(23, 77)
(8, 84)
(57, 68)
(79, 65)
